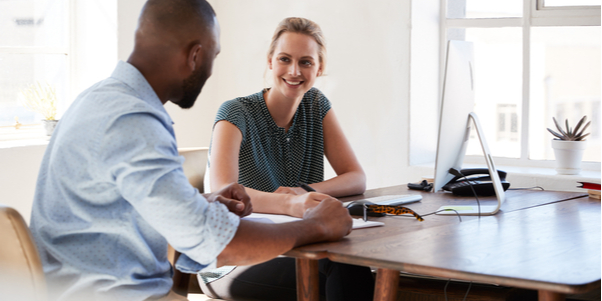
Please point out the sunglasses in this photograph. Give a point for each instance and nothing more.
(388, 209)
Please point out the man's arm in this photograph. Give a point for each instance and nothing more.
(258, 242)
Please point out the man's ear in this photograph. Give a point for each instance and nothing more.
(194, 56)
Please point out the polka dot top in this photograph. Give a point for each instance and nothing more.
(271, 157)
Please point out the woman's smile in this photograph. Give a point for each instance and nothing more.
(293, 83)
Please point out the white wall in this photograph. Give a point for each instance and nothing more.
(18, 172)
(367, 81)
(367, 74)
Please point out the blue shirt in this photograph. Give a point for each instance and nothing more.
(111, 193)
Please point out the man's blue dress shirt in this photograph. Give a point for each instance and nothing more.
(111, 194)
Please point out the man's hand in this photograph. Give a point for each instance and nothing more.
(334, 219)
(234, 197)
(300, 203)
(328, 221)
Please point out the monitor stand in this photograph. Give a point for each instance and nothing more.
(495, 179)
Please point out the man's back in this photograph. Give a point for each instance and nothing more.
(101, 211)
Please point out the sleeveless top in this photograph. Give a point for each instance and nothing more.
(271, 157)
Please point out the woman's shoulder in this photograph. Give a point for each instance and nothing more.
(315, 101)
(230, 106)
(314, 93)
(315, 96)
(242, 103)
(250, 99)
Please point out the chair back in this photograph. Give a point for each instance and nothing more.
(21, 273)
(195, 165)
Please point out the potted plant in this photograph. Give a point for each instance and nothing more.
(569, 145)
(41, 100)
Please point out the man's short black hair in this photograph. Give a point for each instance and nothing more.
(172, 15)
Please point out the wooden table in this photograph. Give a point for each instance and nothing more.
(540, 240)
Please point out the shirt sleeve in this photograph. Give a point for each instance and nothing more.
(323, 103)
(141, 158)
(233, 112)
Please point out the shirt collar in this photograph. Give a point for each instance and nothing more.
(132, 77)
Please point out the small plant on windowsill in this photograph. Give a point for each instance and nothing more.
(570, 134)
(42, 100)
(569, 145)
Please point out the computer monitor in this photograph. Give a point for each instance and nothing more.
(456, 118)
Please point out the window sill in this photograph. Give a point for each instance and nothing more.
(27, 135)
(526, 177)
(23, 143)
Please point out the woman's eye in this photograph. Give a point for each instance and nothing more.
(284, 59)
(306, 63)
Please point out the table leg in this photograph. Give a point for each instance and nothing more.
(550, 296)
(387, 282)
(308, 284)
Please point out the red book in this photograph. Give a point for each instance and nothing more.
(588, 185)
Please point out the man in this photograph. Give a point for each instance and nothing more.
(111, 193)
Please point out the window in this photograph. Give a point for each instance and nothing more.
(68, 44)
(507, 123)
(556, 3)
(34, 46)
(534, 60)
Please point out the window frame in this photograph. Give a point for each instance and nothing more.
(32, 131)
(535, 14)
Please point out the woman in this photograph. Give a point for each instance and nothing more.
(274, 139)
(271, 140)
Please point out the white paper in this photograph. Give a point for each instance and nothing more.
(358, 223)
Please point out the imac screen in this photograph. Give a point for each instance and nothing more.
(456, 105)
(456, 118)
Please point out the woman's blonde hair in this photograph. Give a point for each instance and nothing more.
(302, 26)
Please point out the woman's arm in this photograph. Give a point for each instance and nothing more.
(350, 177)
(225, 148)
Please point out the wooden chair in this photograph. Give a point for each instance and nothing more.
(21, 273)
(194, 166)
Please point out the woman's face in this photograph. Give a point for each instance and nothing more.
(295, 64)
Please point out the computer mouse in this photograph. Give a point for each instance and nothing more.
(357, 208)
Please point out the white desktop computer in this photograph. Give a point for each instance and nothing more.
(456, 119)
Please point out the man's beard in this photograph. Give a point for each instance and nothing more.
(192, 88)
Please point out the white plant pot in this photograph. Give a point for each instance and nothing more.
(568, 156)
(49, 126)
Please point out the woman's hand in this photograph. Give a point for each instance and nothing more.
(290, 190)
(300, 203)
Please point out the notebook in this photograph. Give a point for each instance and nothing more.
(358, 223)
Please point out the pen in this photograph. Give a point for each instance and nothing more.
(306, 187)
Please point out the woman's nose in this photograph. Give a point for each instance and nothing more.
(294, 70)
